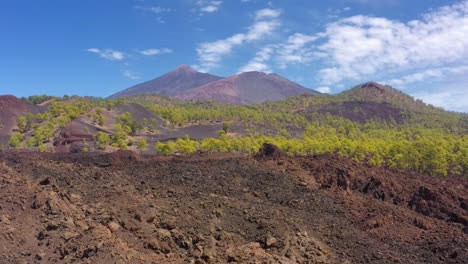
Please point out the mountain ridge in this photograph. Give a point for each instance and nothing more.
(247, 88)
(180, 80)
(185, 83)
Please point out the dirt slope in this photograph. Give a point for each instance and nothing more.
(247, 88)
(220, 208)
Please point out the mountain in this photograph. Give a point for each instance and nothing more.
(247, 88)
(181, 80)
(375, 92)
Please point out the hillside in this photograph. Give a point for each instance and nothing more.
(181, 80)
(375, 92)
(247, 88)
(11, 108)
(184, 83)
(370, 123)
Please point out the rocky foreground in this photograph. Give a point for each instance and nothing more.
(220, 208)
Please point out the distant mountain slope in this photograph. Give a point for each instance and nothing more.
(179, 81)
(375, 92)
(247, 88)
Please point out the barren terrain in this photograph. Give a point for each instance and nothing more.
(220, 208)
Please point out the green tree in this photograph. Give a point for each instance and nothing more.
(38, 136)
(134, 127)
(141, 145)
(21, 123)
(101, 120)
(15, 140)
(186, 145)
(226, 127)
(41, 147)
(165, 149)
(119, 136)
(120, 144)
(119, 140)
(103, 139)
(30, 142)
(125, 118)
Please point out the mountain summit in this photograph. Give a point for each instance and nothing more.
(181, 80)
(185, 83)
(247, 88)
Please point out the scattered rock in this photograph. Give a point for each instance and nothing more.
(270, 151)
(113, 226)
(69, 235)
(270, 241)
(41, 256)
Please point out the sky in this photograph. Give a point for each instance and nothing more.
(99, 47)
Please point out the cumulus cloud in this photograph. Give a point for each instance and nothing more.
(360, 46)
(152, 52)
(108, 54)
(294, 51)
(267, 13)
(454, 98)
(258, 62)
(208, 6)
(324, 89)
(431, 73)
(211, 53)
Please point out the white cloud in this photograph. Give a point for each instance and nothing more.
(209, 9)
(108, 54)
(208, 6)
(293, 50)
(453, 98)
(267, 13)
(151, 52)
(360, 46)
(130, 74)
(286, 53)
(158, 9)
(431, 73)
(323, 89)
(255, 66)
(258, 62)
(211, 53)
(94, 50)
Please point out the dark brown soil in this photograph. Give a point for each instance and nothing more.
(223, 208)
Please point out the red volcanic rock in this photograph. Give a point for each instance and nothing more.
(181, 80)
(246, 88)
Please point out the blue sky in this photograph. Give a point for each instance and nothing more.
(99, 47)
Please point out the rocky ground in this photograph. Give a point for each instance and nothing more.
(225, 208)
